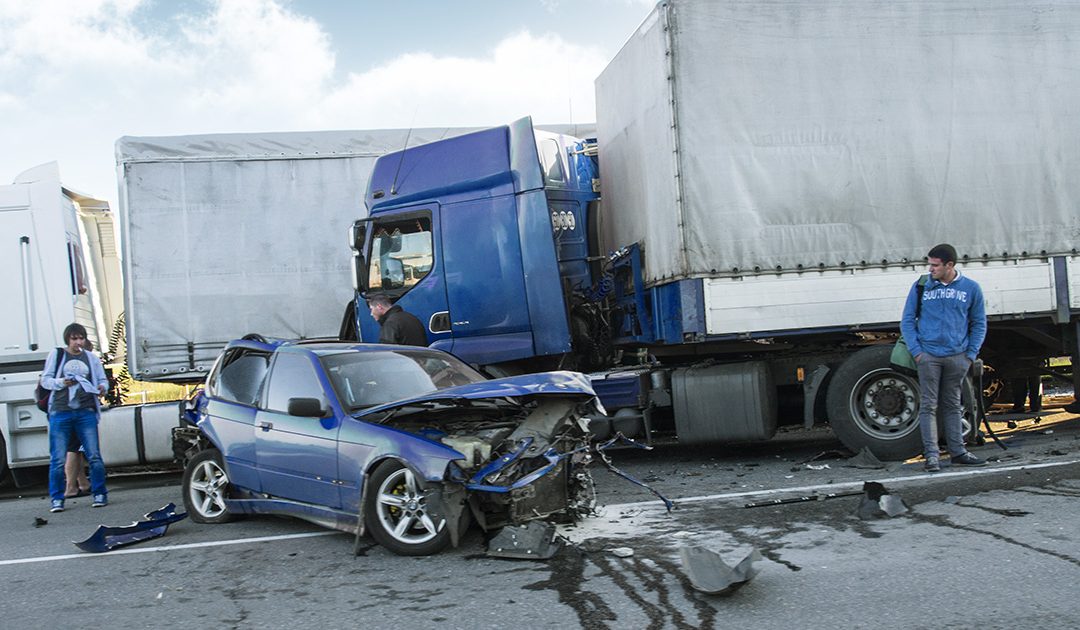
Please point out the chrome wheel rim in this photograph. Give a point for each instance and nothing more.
(402, 511)
(207, 489)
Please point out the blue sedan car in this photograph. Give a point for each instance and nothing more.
(406, 443)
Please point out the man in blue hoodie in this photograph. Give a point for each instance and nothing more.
(944, 325)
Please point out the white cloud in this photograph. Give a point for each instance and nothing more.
(75, 76)
(542, 76)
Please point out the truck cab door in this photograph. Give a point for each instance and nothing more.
(404, 262)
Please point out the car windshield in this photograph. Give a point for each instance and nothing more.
(366, 379)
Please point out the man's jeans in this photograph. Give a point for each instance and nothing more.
(940, 380)
(84, 423)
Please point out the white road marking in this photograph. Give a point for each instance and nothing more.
(834, 487)
(212, 543)
(653, 505)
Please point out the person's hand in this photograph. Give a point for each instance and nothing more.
(918, 357)
(69, 382)
(101, 388)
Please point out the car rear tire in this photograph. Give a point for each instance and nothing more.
(205, 487)
(396, 513)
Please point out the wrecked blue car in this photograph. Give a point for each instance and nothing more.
(409, 444)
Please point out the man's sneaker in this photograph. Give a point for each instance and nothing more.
(57, 505)
(932, 465)
(100, 500)
(967, 459)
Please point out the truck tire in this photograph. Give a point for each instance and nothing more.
(871, 405)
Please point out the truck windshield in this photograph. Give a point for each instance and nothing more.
(401, 253)
(366, 379)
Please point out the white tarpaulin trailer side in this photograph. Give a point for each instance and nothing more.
(229, 234)
(787, 135)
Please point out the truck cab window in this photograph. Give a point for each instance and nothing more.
(401, 253)
(551, 161)
(79, 285)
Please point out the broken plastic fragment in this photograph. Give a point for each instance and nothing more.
(622, 552)
(534, 540)
(107, 538)
(709, 573)
(878, 503)
(865, 459)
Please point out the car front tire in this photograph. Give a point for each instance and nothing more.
(397, 515)
(205, 487)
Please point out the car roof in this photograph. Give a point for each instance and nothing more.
(319, 347)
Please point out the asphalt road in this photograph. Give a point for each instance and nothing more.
(985, 548)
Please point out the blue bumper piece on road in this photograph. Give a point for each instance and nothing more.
(107, 538)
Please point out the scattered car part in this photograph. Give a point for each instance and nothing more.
(803, 499)
(534, 540)
(619, 437)
(40, 522)
(709, 573)
(865, 459)
(877, 502)
(156, 523)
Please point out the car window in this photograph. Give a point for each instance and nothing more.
(366, 379)
(293, 376)
(240, 377)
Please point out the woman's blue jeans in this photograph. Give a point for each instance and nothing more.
(62, 424)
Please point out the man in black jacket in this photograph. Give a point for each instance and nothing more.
(396, 325)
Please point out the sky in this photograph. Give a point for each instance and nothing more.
(76, 75)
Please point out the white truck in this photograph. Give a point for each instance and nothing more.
(61, 266)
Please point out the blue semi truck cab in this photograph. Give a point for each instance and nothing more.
(490, 239)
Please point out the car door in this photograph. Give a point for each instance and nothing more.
(233, 392)
(296, 456)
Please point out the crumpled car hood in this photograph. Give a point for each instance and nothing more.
(547, 383)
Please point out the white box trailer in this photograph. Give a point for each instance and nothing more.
(794, 161)
(741, 137)
(60, 258)
(229, 234)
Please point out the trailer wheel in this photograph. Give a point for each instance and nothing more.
(872, 405)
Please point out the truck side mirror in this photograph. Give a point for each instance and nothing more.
(393, 276)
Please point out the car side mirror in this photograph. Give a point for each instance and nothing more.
(306, 408)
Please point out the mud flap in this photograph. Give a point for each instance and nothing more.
(107, 538)
(534, 540)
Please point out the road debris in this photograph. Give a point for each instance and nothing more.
(865, 459)
(534, 540)
(878, 503)
(622, 552)
(709, 573)
(802, 499)
(156, 523)
(40, 522)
